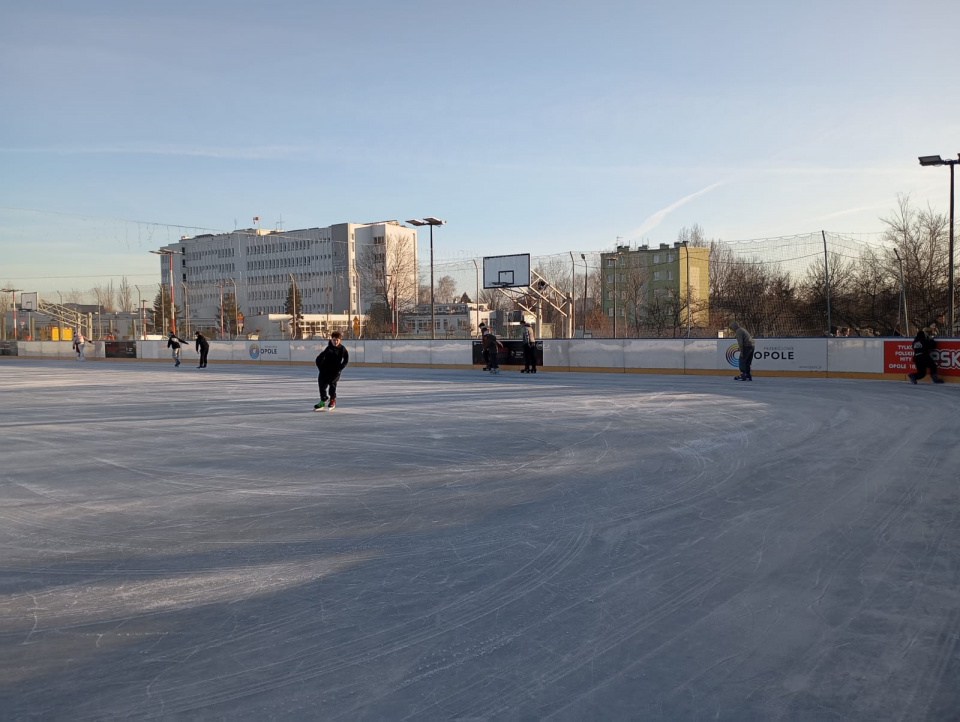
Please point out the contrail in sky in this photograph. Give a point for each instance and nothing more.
(653, 220)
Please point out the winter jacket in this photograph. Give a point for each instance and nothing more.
(174, 342)
(923, 344)
(332, 360)
(744, 339)
(528, 338)
(202, 342)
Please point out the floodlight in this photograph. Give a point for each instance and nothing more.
(931, 160)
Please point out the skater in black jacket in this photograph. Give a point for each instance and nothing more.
(923, 344)
(203, 348)
(529, 349)
(173, 343)
(330, 363)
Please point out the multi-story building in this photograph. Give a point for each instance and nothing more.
(647, 287)
(462, 318)
(340, 269)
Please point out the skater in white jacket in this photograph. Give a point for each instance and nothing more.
(78, 343)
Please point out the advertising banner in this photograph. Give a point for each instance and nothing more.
(8, 348)
(777, 354)
(512, 356)
(898, 357)
(268, 350)
(120, 349)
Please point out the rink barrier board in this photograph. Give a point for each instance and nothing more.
(826, 358)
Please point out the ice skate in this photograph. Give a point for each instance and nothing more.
(319, 406)
(913, 378)
(937, 380)
(738, 378)
(333, 404)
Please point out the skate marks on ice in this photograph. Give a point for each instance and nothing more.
(592, 547)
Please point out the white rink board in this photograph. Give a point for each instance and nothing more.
(852, 355)
(653, 353)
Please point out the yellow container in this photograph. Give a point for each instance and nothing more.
(67, 333)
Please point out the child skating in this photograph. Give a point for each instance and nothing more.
(330, 364)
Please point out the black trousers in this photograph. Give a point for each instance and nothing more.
(530, 357)
(746, 360)
(204, 350)
(924, 363)
(328, 384)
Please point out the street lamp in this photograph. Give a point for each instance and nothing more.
(430, 221)
(926, 160)
(236, 310)
(583, 308)
(170, 254)
(13, 301)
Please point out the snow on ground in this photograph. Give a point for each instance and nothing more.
(451, 545)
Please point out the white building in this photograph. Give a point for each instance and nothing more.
(452, 319)
(340, 269)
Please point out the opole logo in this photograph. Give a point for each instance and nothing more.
(733, 355)
(254, 351)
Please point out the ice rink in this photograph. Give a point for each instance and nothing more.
(199, 544)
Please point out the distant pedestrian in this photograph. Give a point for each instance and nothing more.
(330, 364)
(203, 348)
(529, 349)
(923, 345)
(173, 343)
(78, 343)
(943, 330)
(745, 344)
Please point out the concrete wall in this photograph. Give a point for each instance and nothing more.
(857, 357)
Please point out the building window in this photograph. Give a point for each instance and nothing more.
(669, 275)
(610, 262)
(609, 295)
(610, 312)
(656, 275)
(656, 258)
(609, 278)
(669, 258)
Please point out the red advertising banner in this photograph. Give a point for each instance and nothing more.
(898, 357)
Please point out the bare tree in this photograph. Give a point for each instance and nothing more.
(125, 295)
(390, 270)
(446, 289)
(921, 239)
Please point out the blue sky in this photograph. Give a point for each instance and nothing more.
(535, 127)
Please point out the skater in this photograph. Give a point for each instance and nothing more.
(491, 347)
(203, 348)
(330, 363)
(529, 349)
(745, 343)
(484, 352)
(78, 343)
(173, 343)
(923, 344)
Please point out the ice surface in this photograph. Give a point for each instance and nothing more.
(450, 545)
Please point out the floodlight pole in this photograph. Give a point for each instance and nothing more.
(236, 311)
(926, 160)
(173, 310)
(13, 301)
(583, 310)
(430, 221)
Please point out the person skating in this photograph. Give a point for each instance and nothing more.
(923, 345)
(529, 349)
(330, 364)
(484, 352)
(78, 343)
(491, 347)
(203, 348)
(173, 343)
(745, 344)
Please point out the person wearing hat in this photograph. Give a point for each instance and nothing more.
(203, 348)
(173, 343)
(529, 349)
(484, 351)
(923, 346)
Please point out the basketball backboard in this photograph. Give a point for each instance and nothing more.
(506, 271)
(28, 301)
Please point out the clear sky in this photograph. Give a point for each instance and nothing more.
(528, 125)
